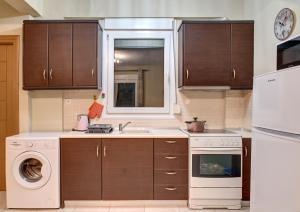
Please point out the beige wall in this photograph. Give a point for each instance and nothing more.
(57, 110)
(143, 8)
(264, 13)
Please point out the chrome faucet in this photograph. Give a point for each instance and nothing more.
(121, 126)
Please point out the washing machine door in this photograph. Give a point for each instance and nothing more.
(31, 170)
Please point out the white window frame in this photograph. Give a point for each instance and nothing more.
(109, 71)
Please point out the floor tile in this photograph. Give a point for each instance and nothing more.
(91, 209)
(162, 209)
(126, 209)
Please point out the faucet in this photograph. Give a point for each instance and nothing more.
(121, 126)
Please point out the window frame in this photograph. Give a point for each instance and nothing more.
(111, 36)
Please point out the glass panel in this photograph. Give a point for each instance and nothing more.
(216, 165)
(139, 73)
(30, 169)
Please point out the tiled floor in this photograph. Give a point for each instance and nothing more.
(115, 209)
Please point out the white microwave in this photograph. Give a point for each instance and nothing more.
(288, 53)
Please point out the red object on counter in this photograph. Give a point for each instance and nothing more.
(95, 110)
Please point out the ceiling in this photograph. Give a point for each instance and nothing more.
(7, 11)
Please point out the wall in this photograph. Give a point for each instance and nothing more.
(143, 8)
(264, 13)
(59, 109)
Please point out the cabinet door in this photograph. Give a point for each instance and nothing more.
(206, 54)
(35, 56)
(127, 169)
(85, 54)
(246, 168)
(60, 55)
(242, 42)
(80, 169)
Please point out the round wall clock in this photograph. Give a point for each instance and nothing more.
(284, 23)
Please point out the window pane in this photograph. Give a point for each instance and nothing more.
(139, 73)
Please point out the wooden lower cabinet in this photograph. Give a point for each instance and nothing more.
(80, 169)
(246, 168)
(124, 169)
(127, 169)
(170, 169)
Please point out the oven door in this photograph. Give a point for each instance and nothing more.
(216, 167)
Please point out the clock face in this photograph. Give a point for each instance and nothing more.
(284, 24)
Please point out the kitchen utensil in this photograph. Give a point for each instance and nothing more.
(82, 122)
(195, 125)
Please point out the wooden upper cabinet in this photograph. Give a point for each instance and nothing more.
(35, 56)
(242, 52)
(205, 51)
(216, 54)
(60, 54)
(80, 169)
(85, 54)
(127, 169)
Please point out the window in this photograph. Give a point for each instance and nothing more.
(139, 64)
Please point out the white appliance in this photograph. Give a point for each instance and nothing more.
(275, 169)
(32, 171)
(82, 122)
(215, 170)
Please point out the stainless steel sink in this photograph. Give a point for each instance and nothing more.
(136, 131)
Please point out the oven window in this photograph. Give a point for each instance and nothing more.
(216, 165)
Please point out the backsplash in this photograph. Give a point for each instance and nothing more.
(57, 110)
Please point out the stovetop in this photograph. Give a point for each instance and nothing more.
(212, 132)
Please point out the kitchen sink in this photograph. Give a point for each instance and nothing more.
(135, 131)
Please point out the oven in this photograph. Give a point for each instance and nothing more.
(216, 167)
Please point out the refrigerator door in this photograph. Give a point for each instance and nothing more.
(275, 173)
(276, 101)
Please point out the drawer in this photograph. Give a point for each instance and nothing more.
(171, 145)
(178, 177)
(169, 161)
(170, 192)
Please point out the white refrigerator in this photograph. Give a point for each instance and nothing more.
(275, 167)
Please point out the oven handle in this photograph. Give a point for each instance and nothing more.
(217, 149)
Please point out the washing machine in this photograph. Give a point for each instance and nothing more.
(33, 170)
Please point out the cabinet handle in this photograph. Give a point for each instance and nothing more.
(246, 151)
(170, 189)
(187, 74)
(170, 157)
(44, 74)
(170, 173)
(51, 74)
(104, 151)
(234, 73)
(97, 150)
(170, 142)
(93, 73)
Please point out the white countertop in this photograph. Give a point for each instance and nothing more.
(245, 133)
(130, 133)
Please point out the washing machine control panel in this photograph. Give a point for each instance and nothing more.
(33, 144)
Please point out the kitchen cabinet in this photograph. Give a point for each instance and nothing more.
(170, 169)
(80, 169)
(127, 169)
(242, 53)
(61, 54)
(246, 168)
(35, 57)
(215, 53)
(85, 42)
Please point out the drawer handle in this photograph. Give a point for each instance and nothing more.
(170, 142)
(170, 189)
(170, 157)
(170, 173)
